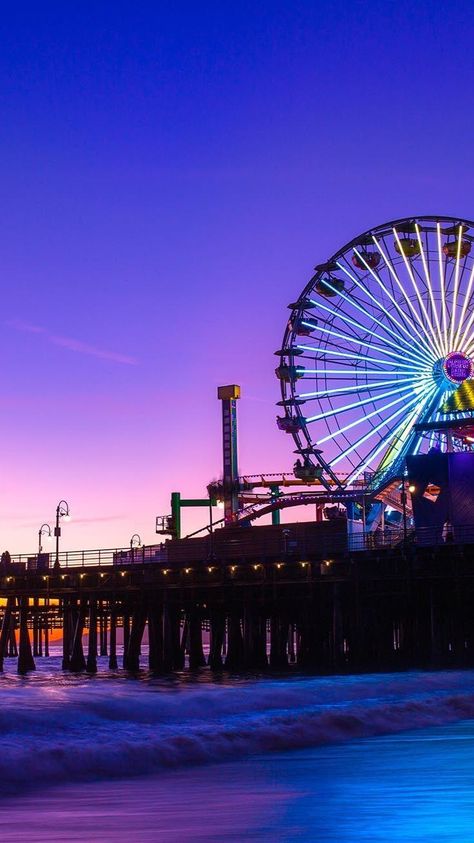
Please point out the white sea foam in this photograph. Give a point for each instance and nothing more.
(55, 730)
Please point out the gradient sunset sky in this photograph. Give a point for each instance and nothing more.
(171, 172)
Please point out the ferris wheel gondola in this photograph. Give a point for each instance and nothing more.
(379, 339)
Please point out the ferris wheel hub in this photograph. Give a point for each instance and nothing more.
(457, 367)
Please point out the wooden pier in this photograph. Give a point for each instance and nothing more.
(289, 599)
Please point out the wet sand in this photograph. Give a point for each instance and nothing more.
(411, 786)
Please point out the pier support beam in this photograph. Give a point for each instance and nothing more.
(235, 642)
(196, 653)
(278, 642)
(66, 633)
(36, 629)
(255, 638)
(25, 657)
(46, 627)
(132, 656)
(217, 640)
(113, 665)
(126, 636)
(5, 633)
(155, 638)
(77, 662)
(91, 664)
(103, 631)
(173, 655)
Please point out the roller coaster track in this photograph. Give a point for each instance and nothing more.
(255, 506)
(264, 506)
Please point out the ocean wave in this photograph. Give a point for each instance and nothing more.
(56, 733)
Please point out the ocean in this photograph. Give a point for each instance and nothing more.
(380, 757)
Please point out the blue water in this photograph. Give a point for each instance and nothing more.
(368, 758)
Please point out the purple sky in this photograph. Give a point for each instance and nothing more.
(170, 175)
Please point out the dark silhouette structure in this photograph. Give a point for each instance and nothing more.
(262, 598)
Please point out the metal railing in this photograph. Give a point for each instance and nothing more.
(387, 538)
(439, 536)
(100, 557)
(447, 534)
(245, 546)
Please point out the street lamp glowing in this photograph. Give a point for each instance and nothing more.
(44, 530)
(135, 541)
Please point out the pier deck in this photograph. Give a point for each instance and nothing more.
(300, 598)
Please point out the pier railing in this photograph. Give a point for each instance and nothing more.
(99, 557)
(248, 545)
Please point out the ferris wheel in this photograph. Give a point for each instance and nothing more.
(376, 345)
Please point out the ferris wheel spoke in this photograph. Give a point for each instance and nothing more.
(352, 356)
(390, 295)
(435, 344)
(356, 341)
(408, 331)
(355, 404)
(343, 390)
(364, 417)
(456, 288)
(373, 431)
(461, 335)
(364, 330)
(442, 286)
(429, 287)
(370, 316)
(406, 297)
(354, 371)
(424, 413)
(402, 430)
(417, 444)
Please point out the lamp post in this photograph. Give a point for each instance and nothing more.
(135, 541)
(62, 511)
(44, 530)
(403, 496)
(404, 507)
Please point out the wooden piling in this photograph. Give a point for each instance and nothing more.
(216, 644)
(46, 627)
(126, 635)
(66, 613)
(173, 656)
(35, 627)
(291, 644)
(255, 638)
(77, 662)
(196, 653)
(12, 651)
(25, 657)
(5, 632)
(155, 637)
(235, 643)
(103, 631)
(113, 639)
(91, 664)
(278, 641)
(132, 656)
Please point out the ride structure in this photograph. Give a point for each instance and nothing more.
(376, 366)
(378, 346)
